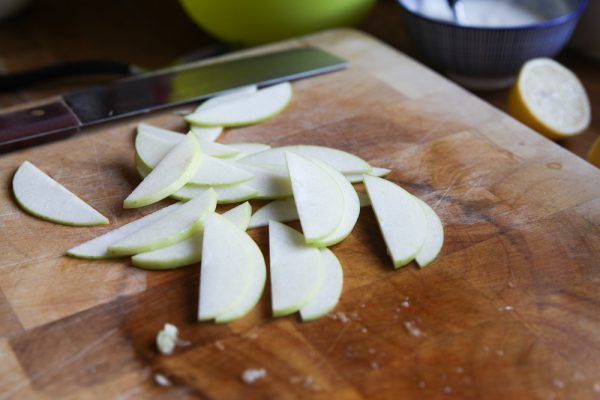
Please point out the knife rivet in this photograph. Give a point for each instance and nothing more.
(38, 112)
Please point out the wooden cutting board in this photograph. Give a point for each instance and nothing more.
(509, 309)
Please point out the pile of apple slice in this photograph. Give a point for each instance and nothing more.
(312, 184)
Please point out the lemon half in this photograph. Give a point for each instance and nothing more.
(550, 99)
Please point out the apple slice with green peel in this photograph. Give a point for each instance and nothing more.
(217, 172)
(400, 217)
(207, 134)
(212, 172)
(240, 215)
(256, 288)
(329, 294)
(97, 248)
(226, 97)
(297, 270)
(271, 182)
(174, 227)
(171, 173)
(246, 109)
(246, 149)
(225, 194)
(226, 270)
(435, 236)
(319, 199)
(43, 197)
(343, 161)
(152, 143)
(283, 210)
(351, 207)
(376, 171)
(188, 251)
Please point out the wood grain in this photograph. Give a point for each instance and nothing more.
(509, 310)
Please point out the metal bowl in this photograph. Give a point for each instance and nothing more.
(481, 57)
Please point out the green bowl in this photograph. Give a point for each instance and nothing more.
(253, 22)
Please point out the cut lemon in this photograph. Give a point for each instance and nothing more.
(550, 99)
(594, 154)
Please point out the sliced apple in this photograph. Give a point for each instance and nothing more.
(212, 172)
(240, 215)
(152, 144)
(283, 210)
(226, 270)
(400, 217)
(330, 291)
(297, 270)
(188, 251)
(43, 197)
(376, 171)
(210, 134)
(271, 182)
(225, 194)
(435, 236)
(256, 288)
(351, 207)
(319, 199)
(226, 97)
(246, 109)
(174, 227)
(343, 161)
(169, 175)
(97, 248)
(246, 149)
(216, 172)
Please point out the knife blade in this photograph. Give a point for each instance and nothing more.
(66, 114)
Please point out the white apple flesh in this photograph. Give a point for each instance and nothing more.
(343, 161)
(297, 270)
(329, 294)
(435, 237)
(319, 199)
(225, 194)
(152, 143)
(283, 210)
(227, 97)
(97, 248)
(43, 197)
(174, 227)
(226, 270)
(246, 109)
(169, 175)
(246, 149)
(351, 207)
(400, 217)
(376, 171)
(256, 288)
(188, 251)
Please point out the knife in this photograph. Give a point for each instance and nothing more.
(66, 114)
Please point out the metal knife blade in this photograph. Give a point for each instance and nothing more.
(158, 90)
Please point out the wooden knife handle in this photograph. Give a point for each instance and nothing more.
(35, 125)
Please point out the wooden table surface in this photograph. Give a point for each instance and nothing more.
(509, 310)
(153, 35)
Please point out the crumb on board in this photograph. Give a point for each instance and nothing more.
(412, 328)
(219, 345)
(251, 375)
(167, 339)
(162, 380)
